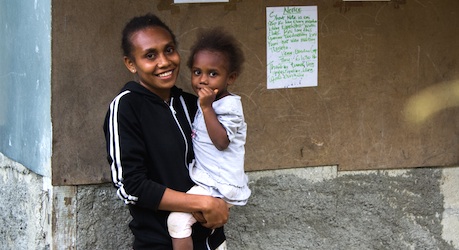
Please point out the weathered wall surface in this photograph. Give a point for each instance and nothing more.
(102, 219)
(374, 57)
(351, 210)
(306, 208)
(313, 208)
(25, 207)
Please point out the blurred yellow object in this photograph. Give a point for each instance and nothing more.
(432, 100)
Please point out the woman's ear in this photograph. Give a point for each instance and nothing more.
(129, 64)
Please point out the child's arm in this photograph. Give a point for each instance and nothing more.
(217, 132)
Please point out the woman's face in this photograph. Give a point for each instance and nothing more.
(155, 60)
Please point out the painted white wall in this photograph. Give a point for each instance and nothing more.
(25, 83)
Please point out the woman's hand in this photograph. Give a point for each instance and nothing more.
(209, 211)
(199, 217)
(215, 214)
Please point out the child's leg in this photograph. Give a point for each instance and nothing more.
(182, 244)
(179, 225)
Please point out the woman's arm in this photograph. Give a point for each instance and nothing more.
(214, 210)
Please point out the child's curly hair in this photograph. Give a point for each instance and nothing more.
(217, 39)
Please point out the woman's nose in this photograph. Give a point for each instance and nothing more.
(163, 61)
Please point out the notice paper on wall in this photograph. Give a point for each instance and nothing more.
(292, 46)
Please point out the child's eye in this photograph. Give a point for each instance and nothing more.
(213, 74)
(196, 72)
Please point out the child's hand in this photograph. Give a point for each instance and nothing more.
(207, 96)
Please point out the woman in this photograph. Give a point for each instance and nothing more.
(148, 135)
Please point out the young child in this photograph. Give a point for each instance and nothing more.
(219, 129)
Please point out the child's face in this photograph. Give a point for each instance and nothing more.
(154, 59)
(210, 69)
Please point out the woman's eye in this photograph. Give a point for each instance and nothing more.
(150, 56)
(170, 50)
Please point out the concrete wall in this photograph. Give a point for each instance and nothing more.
(25, 205)
(319, 208)
(309, 208)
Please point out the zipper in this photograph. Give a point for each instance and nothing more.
(207, 239)
(171, 107)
